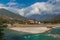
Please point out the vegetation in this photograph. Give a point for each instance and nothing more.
(52, 22)
(1, 31)
(11, 15)
(2, 21)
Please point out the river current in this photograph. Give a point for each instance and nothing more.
(53, 34)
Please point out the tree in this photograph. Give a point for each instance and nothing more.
(2, 21)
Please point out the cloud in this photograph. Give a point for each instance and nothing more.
(15, 4)
(57, 0)
(53, 1)
(36, 8)
(12, 4)
(14, 10)
(2, 5)
(56, 6)
(43, 6)
(21, 12)
(40, 7)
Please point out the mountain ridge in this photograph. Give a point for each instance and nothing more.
(10, 14)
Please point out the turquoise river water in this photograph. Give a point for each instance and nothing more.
(14, 35)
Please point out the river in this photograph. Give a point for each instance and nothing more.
(14, 35)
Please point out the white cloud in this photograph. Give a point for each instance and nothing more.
(36, 8)
(15, 4)
(14, 10)
(12, 4)
(39, 7)
(43, 6)
(21, 12)
(2, 5)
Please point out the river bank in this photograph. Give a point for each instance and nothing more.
(15, 35)
(33, 25)
(31, 29)
(40, 28)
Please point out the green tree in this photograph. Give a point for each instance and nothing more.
(2, 21)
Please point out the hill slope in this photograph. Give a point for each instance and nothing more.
(7, 13)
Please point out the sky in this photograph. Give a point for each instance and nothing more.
(29, 7)
(21, 3)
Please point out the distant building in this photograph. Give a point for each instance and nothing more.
(39, 22)
(33, 21)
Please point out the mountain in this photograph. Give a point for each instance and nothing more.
(54, 18)
(47, 17)
(36, 8)
(41, 11)
(10, 14)
(41, 17)
(44, 12)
